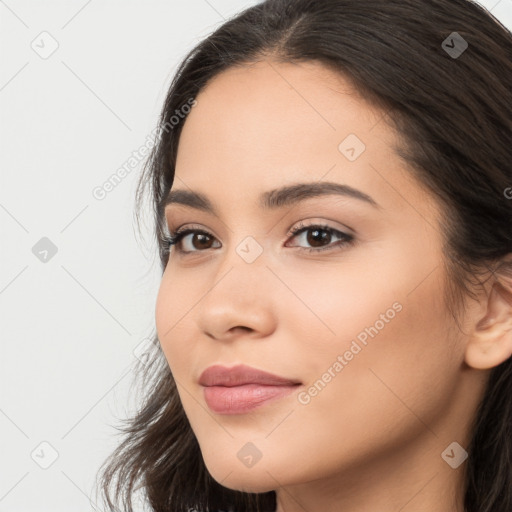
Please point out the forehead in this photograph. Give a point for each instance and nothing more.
(270, 124)
(285, 107)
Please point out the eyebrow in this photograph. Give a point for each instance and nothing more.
(273, 199)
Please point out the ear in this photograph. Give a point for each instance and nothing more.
(490, 343)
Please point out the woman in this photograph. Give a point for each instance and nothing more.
(332, 194)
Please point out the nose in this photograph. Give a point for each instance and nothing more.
(238, 300)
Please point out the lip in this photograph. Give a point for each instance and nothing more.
(241, 388)
(218, 375)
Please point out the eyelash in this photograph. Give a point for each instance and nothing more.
(175, 238)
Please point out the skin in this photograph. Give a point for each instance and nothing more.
(372, 438)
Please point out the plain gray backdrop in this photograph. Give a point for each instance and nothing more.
(81, 86)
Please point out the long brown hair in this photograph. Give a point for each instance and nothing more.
(451, 105)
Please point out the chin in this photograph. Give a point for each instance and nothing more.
(247, 480)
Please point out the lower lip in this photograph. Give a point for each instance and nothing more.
(241, 399)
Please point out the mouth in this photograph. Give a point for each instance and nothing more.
(241, 388)
(242, 399)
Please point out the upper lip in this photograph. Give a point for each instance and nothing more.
(239, 375)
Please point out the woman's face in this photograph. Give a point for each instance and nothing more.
(360, 324)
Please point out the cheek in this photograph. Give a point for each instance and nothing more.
(396, 360)
(393, 390)
(397, 363)
(177, 295)
(172, 306)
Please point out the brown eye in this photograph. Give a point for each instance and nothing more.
(200, 240)
(320, 237)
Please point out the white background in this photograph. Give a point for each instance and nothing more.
(69, 326)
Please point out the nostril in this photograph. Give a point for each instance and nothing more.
(242, 327)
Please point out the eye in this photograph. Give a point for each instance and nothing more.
(321, 235)
(199, 236)
(197, 240)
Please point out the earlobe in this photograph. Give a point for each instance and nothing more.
(490, 343)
